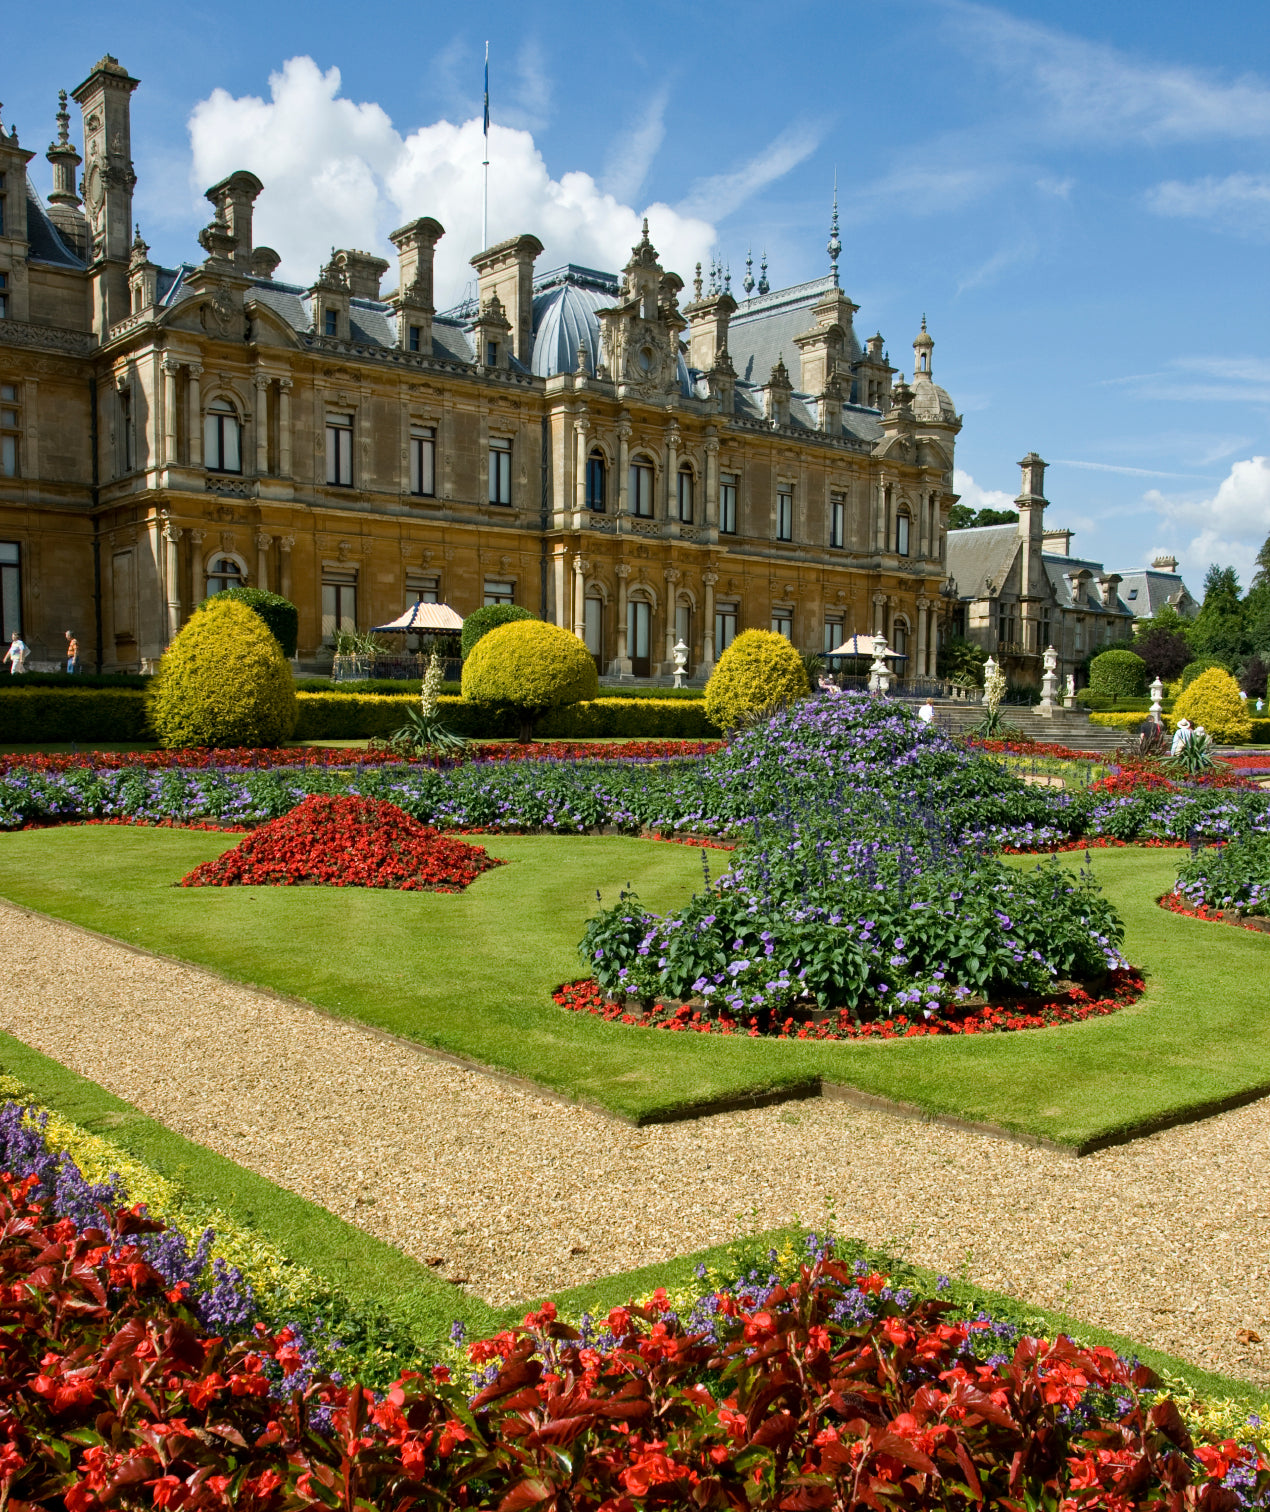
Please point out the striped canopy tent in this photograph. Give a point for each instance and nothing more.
(862, 645)
(423, 619)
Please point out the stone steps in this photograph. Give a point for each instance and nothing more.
(1069, 727)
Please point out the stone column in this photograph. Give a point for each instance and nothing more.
(171, 368)
(581, 431)
(262, 425)
(196, 416)
(580, 565)
(171, 535)
(922, 622)
(623, 479)
(672, 483)
(712, 483)
(672, 585)
(881, 522)
(621, 666)
(707, 641)
(284, 427)
(198, 582)
(263, 543)
(285, 543)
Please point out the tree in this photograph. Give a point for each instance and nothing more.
(481, 621)
(526, 667)
(1220, 630)
(1164, 651)
(759, 673)
(961, 661)
(962, 517)
(1253, 680)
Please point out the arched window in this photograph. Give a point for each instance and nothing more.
(596, 482)
(641, 487)
(686, 481)
(902, 524)
(224, 572)
(222, 450)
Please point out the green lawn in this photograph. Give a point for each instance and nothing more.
(472, 974)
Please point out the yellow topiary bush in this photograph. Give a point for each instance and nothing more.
(758, 673)
(224, 682)
(528, 667)
(1213, 701)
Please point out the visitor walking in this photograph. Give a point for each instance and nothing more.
(16, 655)
(927, 712)
(72, 652)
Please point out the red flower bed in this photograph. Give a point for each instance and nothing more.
(823, 1393)
(330, 756)
(346, 842)
(1125, 987)
(1094, 842)
(1175, 903)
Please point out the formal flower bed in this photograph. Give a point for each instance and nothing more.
(1234, 878)
(828, 1391)
(346, 842)
(1071, 1007)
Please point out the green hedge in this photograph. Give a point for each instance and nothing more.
(71, 680)
(400, 687)
(43, 716)
(341, 716)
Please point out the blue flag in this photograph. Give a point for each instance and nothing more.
(487, 89)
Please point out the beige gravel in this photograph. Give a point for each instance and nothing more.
(1166, 1240)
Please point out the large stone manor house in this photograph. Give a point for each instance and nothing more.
(638, 461)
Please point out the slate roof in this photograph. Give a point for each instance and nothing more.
(763, 329)
(985, 553)
(1146, 591)
(44, 239)
(566, 302)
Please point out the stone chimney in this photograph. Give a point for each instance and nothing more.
(1164, 564)
(1031, 502)
(235, 198)
(363, 270)
(416, 249)
(708, 319)
(264, 262)
(1058, 542)
(507, 271)
(776, 395)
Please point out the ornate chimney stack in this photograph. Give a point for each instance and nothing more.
(416, 249)
(235, 198)
(105, 99)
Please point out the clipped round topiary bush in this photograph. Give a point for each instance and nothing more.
(1213, 701)
(528, 667)
(281, 615)
(1119, 674)
(481, 621)
(1198, 667)
(223, 682)
(759, 673)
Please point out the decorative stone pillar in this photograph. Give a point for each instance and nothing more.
(285, 543)
(196, 416)
(197, 580)
(923, 619)
(879, 672)
(989, 671)
(582, 444)
(709, 579)
(1157, 697)
(580, 566)
(171, 566)
(1049, 681)
(672, 581)
(171, 370)
(623, 480)
(672, 490)
(712, 483)
(284, 427)
(879, 613)
(263, 543)
(880, 519)
(262, 425)
(621, 665)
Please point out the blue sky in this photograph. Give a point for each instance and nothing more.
(1077, 195)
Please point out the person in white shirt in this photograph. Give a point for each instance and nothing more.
(16, 655)
(1180, 736)
(927, 712)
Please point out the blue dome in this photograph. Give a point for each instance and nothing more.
(565, 305)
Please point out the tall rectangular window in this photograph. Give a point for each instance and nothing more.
(125, 429)
(422, 588)
(683, 626)
(221, 438)
(415, 338)
(339, 602)
(783, 623)
(10, 589)
(834, 635)
(10, 430)
(593, 627)
(4, 283)
(500, 471)
(2, 206)
(838, 521)
(727, 503)
(641, 489)
(685, 495)
(331, 323)
(1045, 628)
(596, 481)
(339, 450)
(724, 627)
(784, 515)
(423, 454)
(901, 535)
(499, 592)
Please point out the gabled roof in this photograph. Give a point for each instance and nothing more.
(984, 554)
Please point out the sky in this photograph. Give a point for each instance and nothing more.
(1075, 194)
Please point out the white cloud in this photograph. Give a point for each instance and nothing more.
(1113, 467)
(1000, 262)
(1230, 526)
(722, 193)
(1239, 202)
(338, 173)
(1199, 379)
(1096, 92)
(975, 497)
(632, 154)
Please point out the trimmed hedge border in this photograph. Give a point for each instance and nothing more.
(42, 716)
(1260, 727)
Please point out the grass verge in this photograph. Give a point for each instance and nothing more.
(471, 974)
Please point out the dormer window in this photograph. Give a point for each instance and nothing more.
(641, 488)
(596, 482)
(222, 449)
(491, 354)
(414, 340)
(331, 323)
(1133, 593)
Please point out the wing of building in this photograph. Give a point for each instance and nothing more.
(640, 462)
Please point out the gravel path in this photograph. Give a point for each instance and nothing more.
(1166, 1240)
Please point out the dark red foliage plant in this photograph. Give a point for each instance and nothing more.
(824, 1392)
(346, 842)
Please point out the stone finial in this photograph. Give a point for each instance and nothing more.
(834, 245)
(696, 284)
(747, 283)
(763, 285)
(63, 120)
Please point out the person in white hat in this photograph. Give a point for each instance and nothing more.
(1180, 736)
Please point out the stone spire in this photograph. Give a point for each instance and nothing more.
(64, 158)
(834, 246)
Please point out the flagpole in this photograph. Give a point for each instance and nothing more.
(485, 163)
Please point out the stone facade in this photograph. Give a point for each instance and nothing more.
(635, 468)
